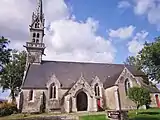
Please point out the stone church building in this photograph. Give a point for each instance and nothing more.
(74, 86)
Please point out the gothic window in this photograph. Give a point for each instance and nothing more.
(30, 95)
(127, 85)
(96, 90)
(52, 91)
(37, 35)
(37, 41)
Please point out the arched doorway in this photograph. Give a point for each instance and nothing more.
(82, 101)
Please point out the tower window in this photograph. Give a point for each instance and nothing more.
(52, 91)
(37, 35)
(37, 41)
(30, 95)
(33, 40)
(34, 34)
(96, 90)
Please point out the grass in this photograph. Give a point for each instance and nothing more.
(93, 117)
(150, 114)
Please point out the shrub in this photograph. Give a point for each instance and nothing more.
(7, 108)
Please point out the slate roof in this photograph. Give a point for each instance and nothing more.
(69, 72)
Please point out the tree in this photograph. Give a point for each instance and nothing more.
(150, 59)
(140, 96)
(4, 52)
(12, 74)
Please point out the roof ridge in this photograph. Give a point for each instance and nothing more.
(83, 62)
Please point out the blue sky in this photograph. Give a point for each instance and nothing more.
(111, 17)
(85, 30)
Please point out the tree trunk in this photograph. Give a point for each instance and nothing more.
(13, 96)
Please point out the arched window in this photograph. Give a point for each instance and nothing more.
(34, 34)
(30, 95)
(36, 25)
(96, 90)
(37, 41)
(52, 91)
(33, 40)
(37, 35)
(127, 86)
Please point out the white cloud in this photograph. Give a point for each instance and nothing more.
(143, 6)
(67, 39)
(123, 4)
(136, 44)
(122, 33)
(77, 41)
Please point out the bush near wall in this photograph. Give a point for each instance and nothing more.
(7, 108)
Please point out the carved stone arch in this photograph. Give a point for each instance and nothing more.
(81, 84)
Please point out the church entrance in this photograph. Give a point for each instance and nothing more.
(82, 102)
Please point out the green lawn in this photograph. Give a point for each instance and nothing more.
(93, 117)
(150, 114)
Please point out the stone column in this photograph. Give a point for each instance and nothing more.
(74, 107)
(117, 98)
(94, 104)
(66, 104)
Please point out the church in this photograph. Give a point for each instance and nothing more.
(64, 86)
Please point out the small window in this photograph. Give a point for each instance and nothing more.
(37, 41)
(127, 86)
(37, 35)
(30, 95)
(96, 89)
(33, 40)
(52, 91)
(34, 34)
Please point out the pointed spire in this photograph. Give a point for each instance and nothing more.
(40, 10)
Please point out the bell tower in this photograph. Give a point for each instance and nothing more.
(35, 46)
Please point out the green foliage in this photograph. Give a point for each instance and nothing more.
(12, 73)
(140, 96)
(148, 60)
(4, 52)
(7, 109)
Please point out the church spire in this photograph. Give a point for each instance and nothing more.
(40, 10)
(35, 46)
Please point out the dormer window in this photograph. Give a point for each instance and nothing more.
(52, 91)
(96, 90)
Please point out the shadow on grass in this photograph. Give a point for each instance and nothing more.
(145, 118)
(149, 113)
